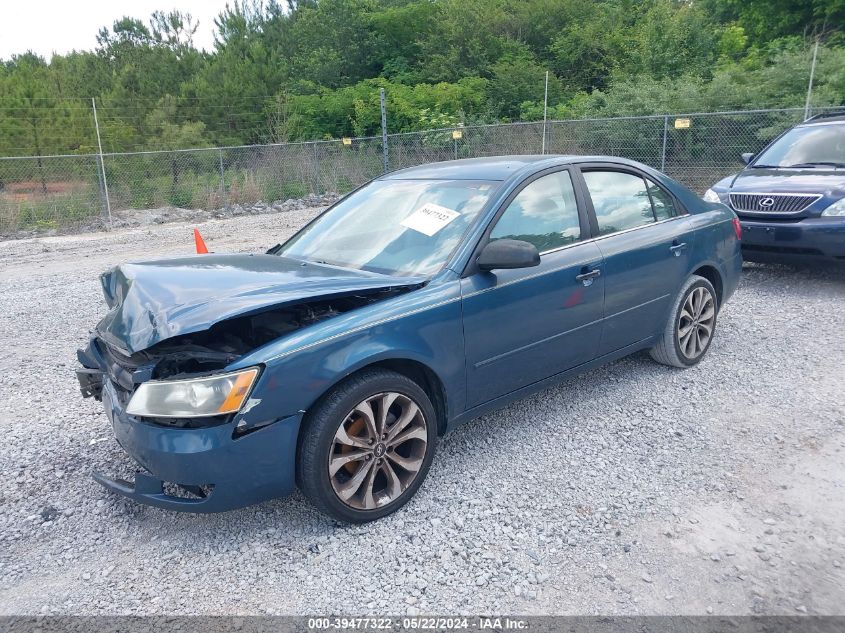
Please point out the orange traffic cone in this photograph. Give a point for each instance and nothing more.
(202, 249)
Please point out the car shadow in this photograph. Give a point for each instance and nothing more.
(794, 279)
(826, 269)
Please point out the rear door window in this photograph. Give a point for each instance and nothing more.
(664, 208)
(620, 199)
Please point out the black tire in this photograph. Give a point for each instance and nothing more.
(668, 350)
(317, 441)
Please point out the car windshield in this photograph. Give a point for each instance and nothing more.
(396, 227)
(808, 146)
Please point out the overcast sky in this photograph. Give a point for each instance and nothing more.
(60, 26)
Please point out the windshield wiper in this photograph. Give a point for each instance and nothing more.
(766, 167)
(820, 163)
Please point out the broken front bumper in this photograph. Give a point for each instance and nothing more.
(217, 469)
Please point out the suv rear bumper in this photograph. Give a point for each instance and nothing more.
(811, 237)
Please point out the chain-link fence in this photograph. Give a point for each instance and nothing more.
(65, 192)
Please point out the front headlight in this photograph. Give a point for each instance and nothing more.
(193, 398)
(837, 209)
(710, 196)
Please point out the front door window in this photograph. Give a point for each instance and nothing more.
(544, 213)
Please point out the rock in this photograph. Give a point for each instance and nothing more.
(48, 513)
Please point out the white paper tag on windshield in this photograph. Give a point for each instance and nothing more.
(430, 218)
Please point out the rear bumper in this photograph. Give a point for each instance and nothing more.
(221, 471)
(810, 238)
(731, 279)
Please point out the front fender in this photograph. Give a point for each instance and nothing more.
(422, 326)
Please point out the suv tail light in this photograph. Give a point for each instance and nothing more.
(737, 228)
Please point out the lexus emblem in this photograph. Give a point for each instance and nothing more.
(767, 202)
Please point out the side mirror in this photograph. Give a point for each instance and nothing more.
(746, 157)
(508, 254)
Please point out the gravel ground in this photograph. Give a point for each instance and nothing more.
(635, 489)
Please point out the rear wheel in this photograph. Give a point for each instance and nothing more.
(366, 447)
(691, 325)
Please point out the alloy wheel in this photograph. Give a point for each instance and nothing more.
(378, 451)
(696, 321)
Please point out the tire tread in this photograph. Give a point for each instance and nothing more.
(664, 351)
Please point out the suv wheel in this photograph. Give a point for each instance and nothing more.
(366, 446)
(691, 325)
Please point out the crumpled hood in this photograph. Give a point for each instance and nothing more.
(153, 301)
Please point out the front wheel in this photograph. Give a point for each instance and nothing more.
(692, 321)
(366, 447)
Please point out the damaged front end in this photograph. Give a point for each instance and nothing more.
(158, 335)
(207, 351)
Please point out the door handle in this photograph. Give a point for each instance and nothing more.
(676, 248)
(587, 277)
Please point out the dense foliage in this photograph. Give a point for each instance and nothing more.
(313, 69)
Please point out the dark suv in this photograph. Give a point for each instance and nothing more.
(791, 196)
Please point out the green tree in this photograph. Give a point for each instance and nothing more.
(766, 20)
(303, 69)
(517, 80)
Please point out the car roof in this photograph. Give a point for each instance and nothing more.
(821, 119)
(493, 167)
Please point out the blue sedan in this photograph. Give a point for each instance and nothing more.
(420, 301)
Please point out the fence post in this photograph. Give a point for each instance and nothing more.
(384, 130)
(665, 134)
(100, 186)
(807, 109)
(545, 111)
(222, 177)
(316, 185)
(100, 157)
